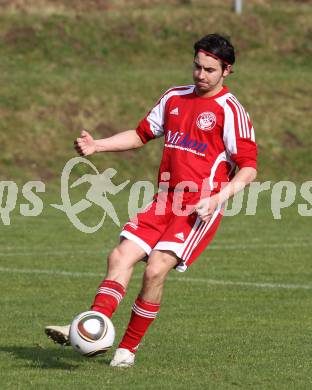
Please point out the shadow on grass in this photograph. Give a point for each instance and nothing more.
(49, 358)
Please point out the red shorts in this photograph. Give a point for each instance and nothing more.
(185, 235)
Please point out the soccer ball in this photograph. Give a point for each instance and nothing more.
(91, 333)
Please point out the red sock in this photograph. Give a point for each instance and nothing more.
(108, 297)
(143, 314)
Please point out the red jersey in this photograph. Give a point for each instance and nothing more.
(205, 138)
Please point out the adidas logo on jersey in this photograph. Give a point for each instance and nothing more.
(175, 111)
(180, 236)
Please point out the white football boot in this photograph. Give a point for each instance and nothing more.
(59, 334)
(122, 358)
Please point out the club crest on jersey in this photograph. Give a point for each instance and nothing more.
(206, 121)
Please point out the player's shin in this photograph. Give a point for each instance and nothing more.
(108, 297)
(143, 314)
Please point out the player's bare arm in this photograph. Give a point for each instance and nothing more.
(207, 206)
(86, 145)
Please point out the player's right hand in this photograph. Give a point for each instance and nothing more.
(85, 144)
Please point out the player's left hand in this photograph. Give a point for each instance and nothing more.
(206, 207)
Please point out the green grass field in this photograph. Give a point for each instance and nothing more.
(238, 318)
(102, 64)
(241, 316)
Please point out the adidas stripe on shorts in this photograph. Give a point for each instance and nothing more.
(164, 225)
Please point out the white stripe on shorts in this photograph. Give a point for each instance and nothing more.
(130, 236)
(200, 234)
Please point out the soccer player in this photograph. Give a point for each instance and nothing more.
(207, 135)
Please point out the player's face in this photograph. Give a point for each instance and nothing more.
(208, 75)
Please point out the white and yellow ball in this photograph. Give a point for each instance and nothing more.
(91, 333)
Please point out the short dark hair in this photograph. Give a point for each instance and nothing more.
(217, 45)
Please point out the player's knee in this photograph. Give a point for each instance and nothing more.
(154, 274)
(116, 257)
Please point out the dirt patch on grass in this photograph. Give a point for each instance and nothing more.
(72, 109)
(38, 171)
(105, 130)
(127, 31)
(290, 140)
(25, 37)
